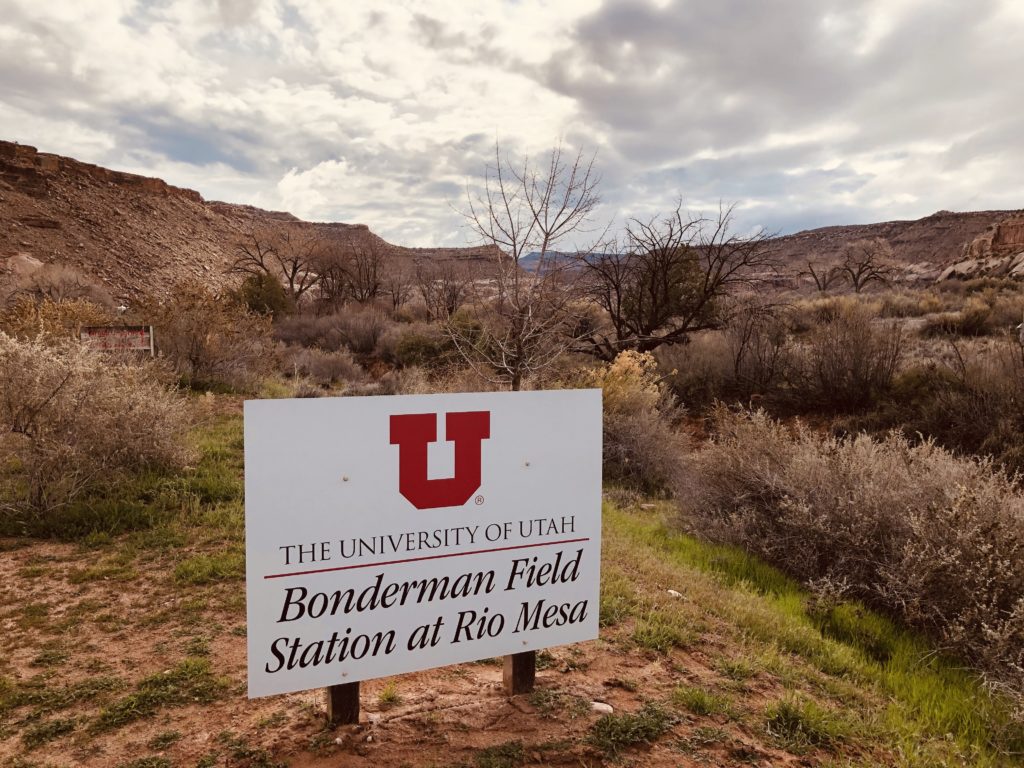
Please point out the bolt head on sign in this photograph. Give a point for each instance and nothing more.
(393, 534)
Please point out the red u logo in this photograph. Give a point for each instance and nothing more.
(413, 432)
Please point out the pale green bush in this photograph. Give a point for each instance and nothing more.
(642, 447)
(74, 420)
(911, 528)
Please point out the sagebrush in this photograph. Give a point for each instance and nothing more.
(934, 538)
(73, 419)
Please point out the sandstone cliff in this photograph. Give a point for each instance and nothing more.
(137, 235)
(996, 252)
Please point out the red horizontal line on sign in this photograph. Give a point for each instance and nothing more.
(427, 557)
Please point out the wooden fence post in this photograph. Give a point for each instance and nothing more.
(343, 704)
(519, 672)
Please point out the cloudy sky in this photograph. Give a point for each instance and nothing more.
(804, 112)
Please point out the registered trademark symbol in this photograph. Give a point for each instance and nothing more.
(479, 500)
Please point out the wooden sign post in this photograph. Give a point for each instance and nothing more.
(343, 704)
(520, 672)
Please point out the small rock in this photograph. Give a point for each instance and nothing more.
(340, 740)
(369, 737)
(601, 708)
(673, 593)
(373, 717)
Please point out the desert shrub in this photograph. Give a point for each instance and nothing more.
(407, 381)
(57, 283)
(846, 362)
(975, 319)
(29, 318)
(749, 356)
(910, 304)
(984, 313)
(981, 407)
(968, 398)
(759, 347)
(1007, 311)
(361, 328)
(418, 344)
(308, 331)
(357, 328)
(810, 314)
(211, 341)
(699, 372)
(265, 295)
(642, 448)
(935, 539)
(979, 285)
(75, 420)
(322, 368)
(412, 311)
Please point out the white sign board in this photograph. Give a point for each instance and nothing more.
(392, 534)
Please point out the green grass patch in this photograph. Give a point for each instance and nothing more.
(118, 569)
(147, 762)
(43, 699)
(661, 632)
(913, 696)
(389, 696)
(700, 701)
(191, 681)
(150, 500)
(240, 750)
(613, 733)
(618, 597)
(508, 755)
(163, 740)
(737, 670)
(39, 733)
(50, 657)
(798, 723)
(208, 568)
(551, 702)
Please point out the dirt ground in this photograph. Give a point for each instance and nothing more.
(84, 620)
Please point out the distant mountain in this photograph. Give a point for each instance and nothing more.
(139, 235)
(554, 259)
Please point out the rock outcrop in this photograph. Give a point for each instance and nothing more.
(996, 252)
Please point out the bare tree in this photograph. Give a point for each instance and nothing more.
(758, 340)
(824, 276)
(397, 283)
(331, 267)
(444, 287)
(866, 261)
(254, 253)
(366, 270)
(667, 279)
(285, 252)
(524, 210)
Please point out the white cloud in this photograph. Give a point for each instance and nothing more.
(378, 113)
